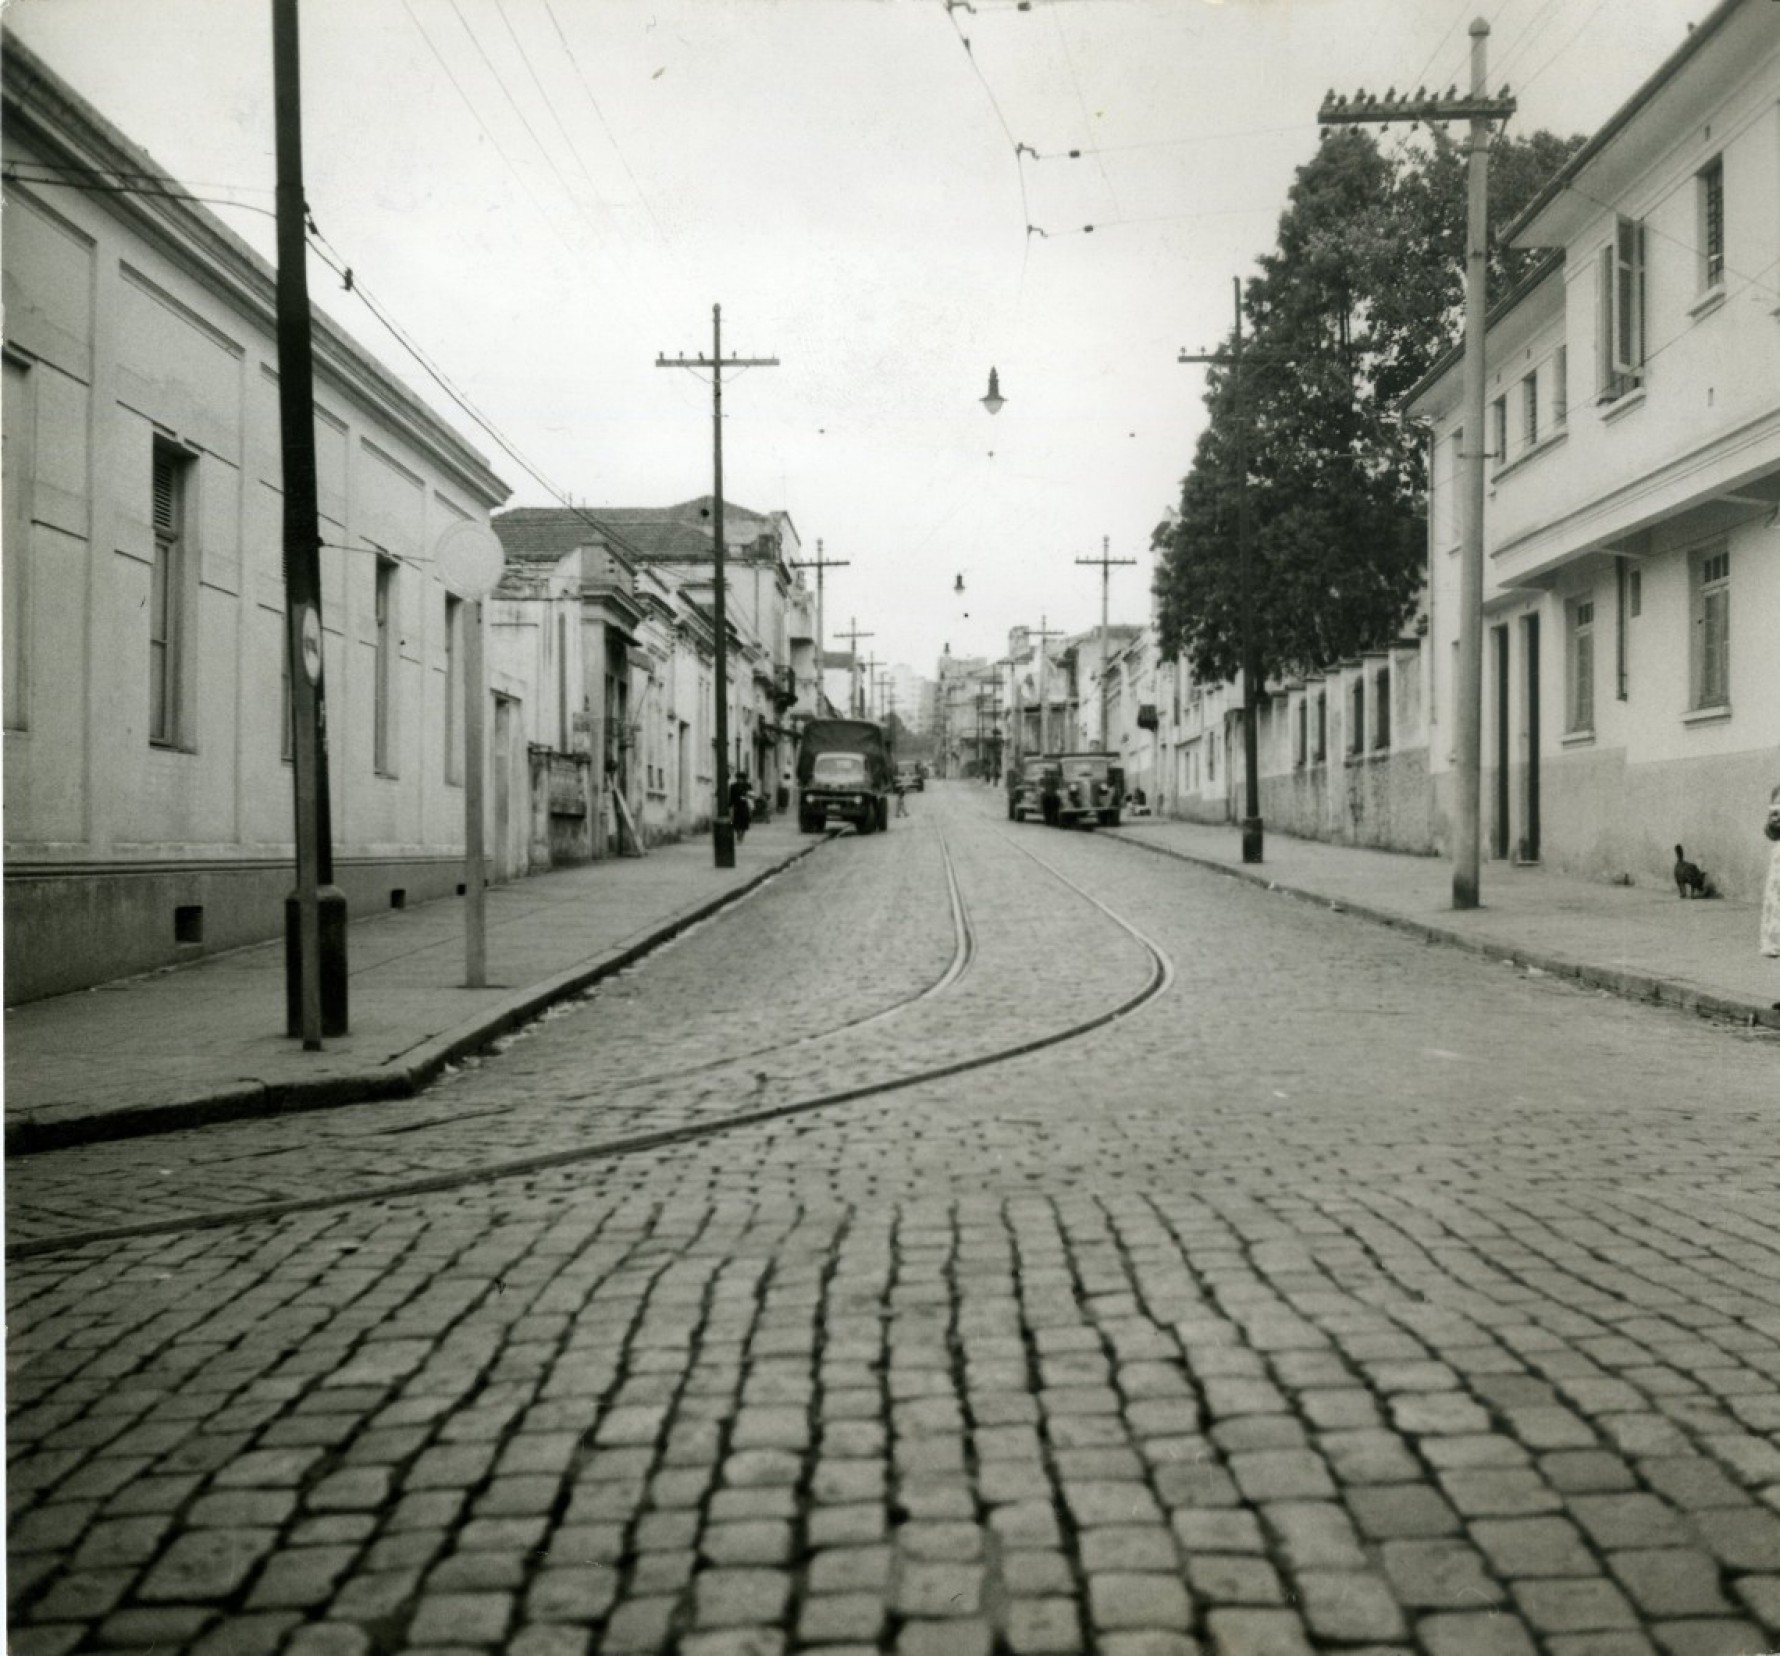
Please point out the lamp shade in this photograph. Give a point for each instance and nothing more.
(994, 400)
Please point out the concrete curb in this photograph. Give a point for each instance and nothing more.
(1640, 986)
(419, 1066)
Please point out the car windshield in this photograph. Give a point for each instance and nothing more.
(1077, 769)
(839, 767)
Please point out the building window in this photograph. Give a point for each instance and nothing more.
(1580, 711)
(1381, 704)
(1560, 387)
(384, 664)
(15, 499)
(1321, 750)
(166, 596)
(1711, 185)
(454, 689)
(1301, 733)
(1712, 628)
(1622, 310)
(1499, 431)
(1356, 722)
(1529, 410)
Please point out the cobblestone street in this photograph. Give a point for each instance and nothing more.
(1314, 1288)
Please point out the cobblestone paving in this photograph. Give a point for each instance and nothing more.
(1354, 1295)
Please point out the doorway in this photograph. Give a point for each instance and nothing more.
(1499, 838)
(1529, 844)
(503, 787)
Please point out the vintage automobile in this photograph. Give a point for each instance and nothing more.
(1090, 789)
(911, 773)
(1032, 789)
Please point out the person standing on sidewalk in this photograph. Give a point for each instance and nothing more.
(741, 806)
(1770, 902)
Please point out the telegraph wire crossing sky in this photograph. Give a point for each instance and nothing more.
(536, 198)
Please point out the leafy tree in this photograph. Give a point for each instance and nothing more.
(1362, 295)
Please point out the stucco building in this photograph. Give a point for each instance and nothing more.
(148, 785)
(1632, 518)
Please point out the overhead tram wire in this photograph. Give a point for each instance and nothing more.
(544, 93)
(995, 104)
(335, 261)
(611, 136)
(1082, 104)
(1536, 26)
(487, 132)
(1168, 143)
(599, 242)
(1574, 36)
(507, 92)
(140, 187)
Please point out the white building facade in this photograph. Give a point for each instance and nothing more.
(1632, 519)
(148, 783)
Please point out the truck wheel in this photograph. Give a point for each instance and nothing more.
(867, 822)
(1018, 814)
(810, 821)
(1109, 819)
(883, 816)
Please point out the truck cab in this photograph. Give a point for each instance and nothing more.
(844, 775)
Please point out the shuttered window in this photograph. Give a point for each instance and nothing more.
(1622, 310)
(165, 594)
(1581, 709)
(1712, 223)
(1712, 629)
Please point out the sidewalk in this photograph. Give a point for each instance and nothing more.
(1636, 941)
(206, 1042)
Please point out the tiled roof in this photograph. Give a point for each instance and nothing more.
(542, 534)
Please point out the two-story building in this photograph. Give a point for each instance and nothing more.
(147, 728)
(1632, 518)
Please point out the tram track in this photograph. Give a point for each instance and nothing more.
(1159, 977)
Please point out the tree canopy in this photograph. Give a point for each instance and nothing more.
(1361, 296)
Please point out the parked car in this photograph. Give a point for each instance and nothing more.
(1032, 789)
(1090, 789)
(843, 771)
(911, 773)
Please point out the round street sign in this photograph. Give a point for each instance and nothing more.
(469, 559)
(311, 644)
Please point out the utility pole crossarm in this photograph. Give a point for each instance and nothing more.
(1364, 109)
(1478, 108)
(722, 823)
(820, 563)
(1106, 563)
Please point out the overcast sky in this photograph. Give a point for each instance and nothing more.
(546, 194)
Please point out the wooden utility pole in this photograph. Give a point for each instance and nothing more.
(819, 564)
(852, 637)
(722, 825)
(868, 685)
(1107, 563)
(315, 913)
(1480, 110)
(1043, 679)
(1253, 839)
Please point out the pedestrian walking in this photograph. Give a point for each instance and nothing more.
(785, 789)
(902, 799)
(1770, 902)
(741, 806)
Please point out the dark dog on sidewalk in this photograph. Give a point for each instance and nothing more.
(1690, 878)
